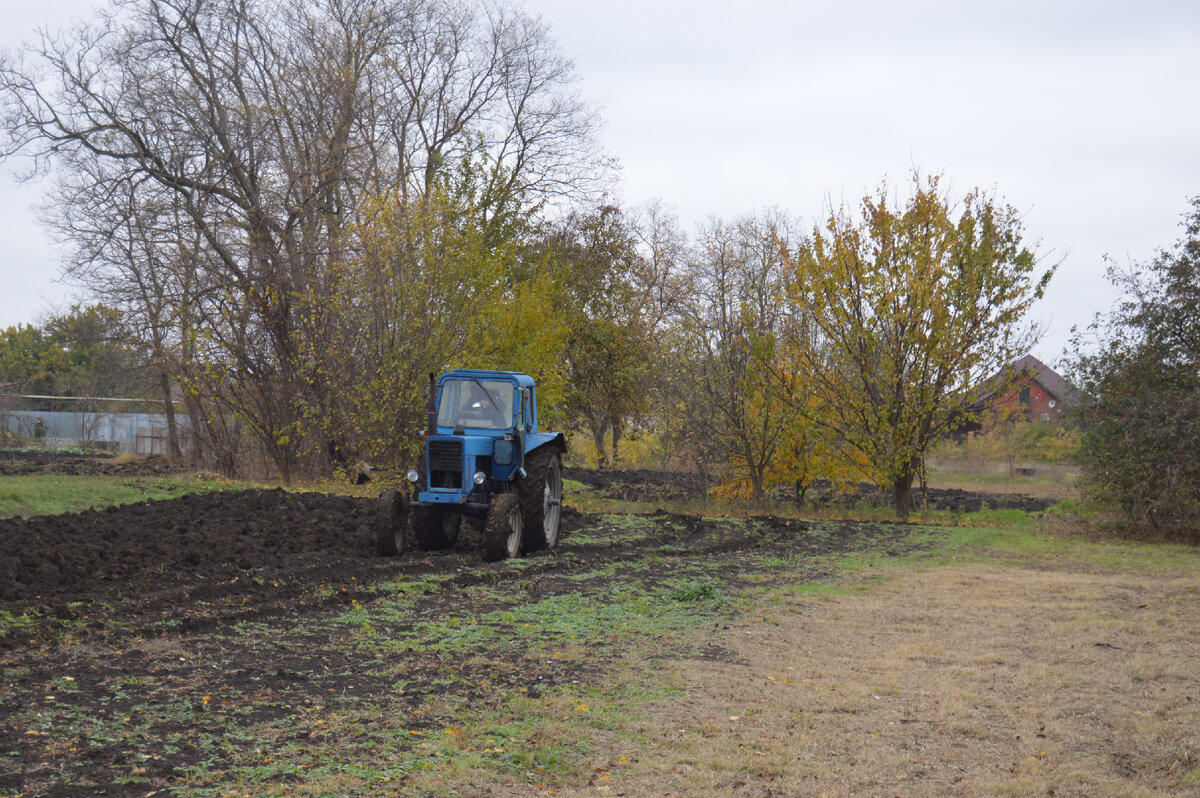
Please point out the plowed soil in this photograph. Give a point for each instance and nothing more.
(198, 539)
(133, 637)
(638, 485)
(25, 463)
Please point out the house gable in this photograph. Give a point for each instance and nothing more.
(1027, 390)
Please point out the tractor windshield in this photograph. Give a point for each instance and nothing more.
(482, 404)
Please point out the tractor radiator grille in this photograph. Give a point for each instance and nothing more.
(445, 464)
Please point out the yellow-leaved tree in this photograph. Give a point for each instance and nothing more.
(908, 309)
(428, 282)
(521, 329)
(807, 449)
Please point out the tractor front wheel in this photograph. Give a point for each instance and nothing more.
(502, 530)
(392, 525)
(435, 529)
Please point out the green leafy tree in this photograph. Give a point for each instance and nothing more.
(85, 352)
(446, 279)
(30, 360)
(100, 358)
(909, 309)
(1140, 412)
(608, 332)
(412, 299)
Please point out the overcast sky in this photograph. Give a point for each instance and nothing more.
(1083, 114)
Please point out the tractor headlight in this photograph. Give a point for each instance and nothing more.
(413, 476)
(479, 478)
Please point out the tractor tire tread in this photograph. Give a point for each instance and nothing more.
(391, 528)
(497, 527)
(531, 492)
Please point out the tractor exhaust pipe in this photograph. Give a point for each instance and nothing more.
(431, 406)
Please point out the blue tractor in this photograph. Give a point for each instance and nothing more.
(483, 458)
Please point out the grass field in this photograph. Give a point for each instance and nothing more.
(50, 494)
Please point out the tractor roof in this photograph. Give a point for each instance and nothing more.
(480, 374)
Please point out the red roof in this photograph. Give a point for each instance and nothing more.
(1035, 370)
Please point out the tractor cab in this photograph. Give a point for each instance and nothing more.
(481, 425)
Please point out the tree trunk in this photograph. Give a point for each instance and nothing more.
(174, 453)
(902, 490)
(615, 425)
(923, 482)
(756, 485)
(598, 432)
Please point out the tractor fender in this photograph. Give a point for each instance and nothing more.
(536, 440)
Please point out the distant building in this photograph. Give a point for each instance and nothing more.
(104, 423)
(1026, 390)
(138, 433)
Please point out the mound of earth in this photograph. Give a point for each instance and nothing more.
(25, 462)
(204, 536)
(823, 494)
(641, 485)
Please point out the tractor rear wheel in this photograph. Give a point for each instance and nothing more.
(541, 499)
(502, 530)
(435, 529)
(392, 525)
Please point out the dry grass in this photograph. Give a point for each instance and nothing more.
(1052, 480)
(968, 681)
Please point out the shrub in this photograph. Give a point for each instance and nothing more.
(1141, 411)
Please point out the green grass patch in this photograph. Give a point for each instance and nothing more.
(1019, 543)
(51, 494)
(701, 591)
(18, 625)
(800, 589)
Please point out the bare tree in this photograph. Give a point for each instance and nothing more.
(265, 124)
(726, 345)
(127, 248)
(661, 279)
